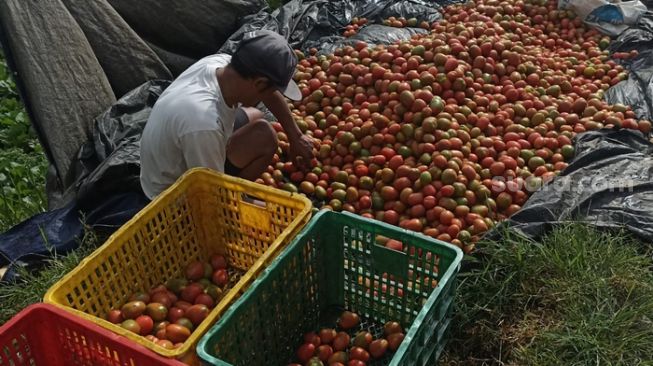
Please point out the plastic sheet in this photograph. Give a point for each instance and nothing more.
(194, 28)
(607, 16)
(125, 58)
(110, 163)
(637, 91)
(58, 231)
(319, 23)
(372, 34)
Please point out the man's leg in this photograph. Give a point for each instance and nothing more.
(252, 145)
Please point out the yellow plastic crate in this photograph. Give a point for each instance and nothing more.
(203, 213)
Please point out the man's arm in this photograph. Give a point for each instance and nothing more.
(301, 146)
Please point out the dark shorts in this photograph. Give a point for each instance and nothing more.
(241, 120)
(231, 169)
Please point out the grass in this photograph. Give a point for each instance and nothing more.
(22, 162)
(274, 4)
(579, 297)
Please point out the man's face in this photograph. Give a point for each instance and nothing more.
(260, 88)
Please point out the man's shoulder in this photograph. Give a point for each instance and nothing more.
(218, 59)
(185, 101)
(190, 101)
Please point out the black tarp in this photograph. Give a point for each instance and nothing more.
(637, 91)
(192, 28)
(60, 79)
(126, 59)
(319, 23)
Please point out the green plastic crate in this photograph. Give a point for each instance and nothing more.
(336, 263)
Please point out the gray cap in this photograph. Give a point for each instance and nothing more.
(269, 54)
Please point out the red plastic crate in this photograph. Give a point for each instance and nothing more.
(43, 335)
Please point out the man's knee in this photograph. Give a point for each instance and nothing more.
(253, 114)
(266, 134)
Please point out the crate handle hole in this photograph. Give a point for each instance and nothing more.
(390, 261)
(253, 200)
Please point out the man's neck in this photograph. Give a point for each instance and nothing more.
(226, 77)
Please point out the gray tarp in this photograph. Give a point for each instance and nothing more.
(193, 28)
(63, 84)
(126, 59)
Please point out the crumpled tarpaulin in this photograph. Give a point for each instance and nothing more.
(320, 23)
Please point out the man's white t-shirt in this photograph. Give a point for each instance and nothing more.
(189, 127)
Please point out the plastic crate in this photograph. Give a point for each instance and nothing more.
(44, 335)
(203, 213)
(337, 263)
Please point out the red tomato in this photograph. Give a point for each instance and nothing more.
(323, 352)
(218, 262)
(205, 299)
(358, 353)
(327, 335)
(146, 323)
(183, 305)
(394, 245)
(305, 352)
(165, 344)
(115, 316)
(348, 320)
(220, 277)
(189, 293)
(175, 314)
(341, 342)
(195, 271)
(197, 313)
(176, 333)
(312, 338)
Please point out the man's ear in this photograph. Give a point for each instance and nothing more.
(261, 83)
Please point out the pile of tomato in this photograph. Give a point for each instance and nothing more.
(168, 313)
(339, 348)
(451, 131)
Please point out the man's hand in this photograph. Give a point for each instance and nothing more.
(301, 151)
(301, 146)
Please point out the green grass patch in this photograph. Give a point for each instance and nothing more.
(580, 297)
(276, 3)
(22, 162)
(22, 185)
